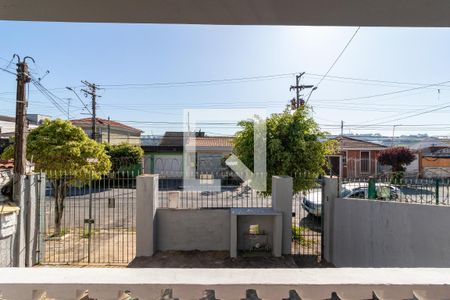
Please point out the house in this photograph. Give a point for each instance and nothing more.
(355, 158)
(8, 127)
(164, 155)
(433, 158)
(8, 124)
(210, 152)
(110, 131)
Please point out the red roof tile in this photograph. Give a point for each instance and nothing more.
(113, 124)
(7, 164)
(351, 143)
(212, 141)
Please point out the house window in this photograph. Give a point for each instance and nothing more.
(365, 161)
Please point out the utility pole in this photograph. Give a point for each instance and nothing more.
(92, 91)
(68, 107)
(342, 127)
(21, 120)
(393, 133)
(109, 130)
(296, 103)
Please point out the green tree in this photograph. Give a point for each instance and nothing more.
(8, 153)
(124, 155)
(68, 156)
(294, 147)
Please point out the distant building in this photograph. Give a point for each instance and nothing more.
(117, 132)
(164, 154)
(8, 124)
(210, 152)
(355, 158)
(433, 158)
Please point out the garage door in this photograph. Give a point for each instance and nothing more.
(169, 165)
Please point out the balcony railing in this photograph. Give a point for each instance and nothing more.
(142, 284)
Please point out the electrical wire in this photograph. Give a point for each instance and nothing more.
(338, 57)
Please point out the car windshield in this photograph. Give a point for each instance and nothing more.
(345, 192)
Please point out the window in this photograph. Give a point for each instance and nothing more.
(365, 161)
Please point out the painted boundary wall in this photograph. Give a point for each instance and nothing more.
(164, 229)
(192, 229)
(113, 284)
(371, 233)
(21, 249)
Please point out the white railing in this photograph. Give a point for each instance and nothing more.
(127, 284)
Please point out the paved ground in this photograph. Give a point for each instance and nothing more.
(209, 259)
(108, 247)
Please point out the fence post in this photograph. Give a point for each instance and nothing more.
(282, 202)
(146, 204)
(330, 191)
(19, 256)
(437, 190)
(372, 191)
(42, 217)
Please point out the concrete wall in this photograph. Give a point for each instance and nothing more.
(192, 229)
(266, 225)
(369, 233)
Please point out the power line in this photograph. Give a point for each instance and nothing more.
(388, 93)
(200, 82)
(338, 57)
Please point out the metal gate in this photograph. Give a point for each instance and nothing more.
(307, 225)
(98, 221)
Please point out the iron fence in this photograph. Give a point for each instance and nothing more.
(88, 219)
(211, 190)
(307, 223)
(391, 188)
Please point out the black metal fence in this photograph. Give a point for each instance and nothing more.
(211, 190)
(88, 220)
(391, 188)
(307, 224)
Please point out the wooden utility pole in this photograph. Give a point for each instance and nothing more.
(92, 91)
(20, 143)
(297, 102)
(109, 130)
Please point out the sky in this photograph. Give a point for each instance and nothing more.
(150, 73)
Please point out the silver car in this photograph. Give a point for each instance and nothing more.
(312, 200)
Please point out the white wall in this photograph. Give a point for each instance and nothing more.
(370, 233)
(193, 229)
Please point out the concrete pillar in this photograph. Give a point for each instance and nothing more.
(42, 215)
(277, 235)
(146, 204)
(20, 235)
(330, 191)
(233, 235)
(31, 230)
(282, 202)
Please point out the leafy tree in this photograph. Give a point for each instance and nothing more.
(8, 153)
(294, 147)
(68, 156)
(397, 157)
(124, 155)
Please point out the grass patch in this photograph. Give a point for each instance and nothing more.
(298, 236)
(86, 234)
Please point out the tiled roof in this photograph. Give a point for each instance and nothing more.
(113, 124)
(429, 143)
(172, 139)
(6, 164)
(212, 141)
(351, 143)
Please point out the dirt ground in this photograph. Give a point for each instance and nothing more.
(220, 259)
